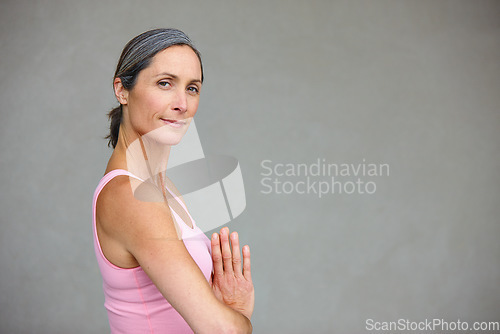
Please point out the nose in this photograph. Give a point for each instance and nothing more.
(180, 101)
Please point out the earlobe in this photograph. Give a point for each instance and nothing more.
(120, 92)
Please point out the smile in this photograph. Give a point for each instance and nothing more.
(173, 123)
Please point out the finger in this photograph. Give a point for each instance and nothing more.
(226, 251)
(246, 263)
(217, 255)
(235, 243)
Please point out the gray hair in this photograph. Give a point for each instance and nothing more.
(135, 57)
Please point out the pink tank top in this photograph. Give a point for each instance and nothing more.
(133, 302)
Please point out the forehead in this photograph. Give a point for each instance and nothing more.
(179, 60)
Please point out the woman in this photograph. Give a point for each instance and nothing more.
(160, 273)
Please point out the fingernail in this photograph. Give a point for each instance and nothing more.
(215, 236)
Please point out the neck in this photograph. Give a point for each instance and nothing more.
(155, 155)
(144, 156)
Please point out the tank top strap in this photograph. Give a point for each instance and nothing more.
(181, 203)
(178, 200)
(115, 172)
(108, 177)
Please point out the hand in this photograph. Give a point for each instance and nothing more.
(232, 285)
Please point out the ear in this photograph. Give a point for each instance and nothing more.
(121, 92)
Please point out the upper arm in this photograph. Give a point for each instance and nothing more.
(147, 231)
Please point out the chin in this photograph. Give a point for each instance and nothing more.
(166, 135)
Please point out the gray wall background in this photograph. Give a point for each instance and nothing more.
(414, 84)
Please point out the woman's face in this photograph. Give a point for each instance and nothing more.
(165, 96)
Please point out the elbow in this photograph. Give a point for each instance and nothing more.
(228, 321)
(243, 327)
(237, 330)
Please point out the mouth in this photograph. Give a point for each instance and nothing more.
(176, 123)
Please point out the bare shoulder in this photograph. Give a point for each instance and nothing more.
(130, 218)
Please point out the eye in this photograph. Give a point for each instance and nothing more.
(193, 89)
(164, 83)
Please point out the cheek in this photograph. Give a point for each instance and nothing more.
(153, 103)
(193, 107)
(145, 106)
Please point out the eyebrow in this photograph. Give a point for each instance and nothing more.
(174, 76)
